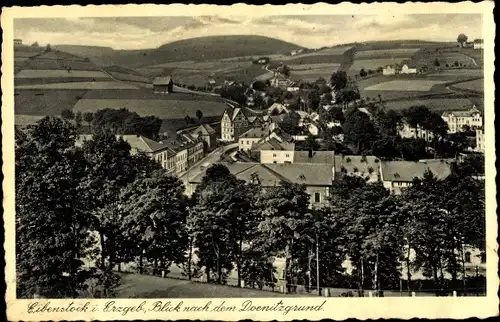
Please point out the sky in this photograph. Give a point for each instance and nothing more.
(312, 31)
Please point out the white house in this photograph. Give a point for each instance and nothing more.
(457, 120)
(254, 136)
(388, 71)
(406, 131)
(407, 70)
(478, 44)
(274, 151)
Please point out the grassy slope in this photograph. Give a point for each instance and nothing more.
(202, 48)
(143, 286)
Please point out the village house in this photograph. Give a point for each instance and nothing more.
(406, 131)
(478, 44)
(317, 178)
(163, 85)
(273, 151)
(407, 70)
(280, 81)
(397, 175)
(207, 133)
(255, 135)
(388, 70)
(480, 140)
(457, 120)
(234, 123)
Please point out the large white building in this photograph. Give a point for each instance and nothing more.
(409, 132)
(480, 140)
(457, 120)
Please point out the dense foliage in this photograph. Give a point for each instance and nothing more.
(101, 203)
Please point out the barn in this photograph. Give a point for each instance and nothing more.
(163, 85)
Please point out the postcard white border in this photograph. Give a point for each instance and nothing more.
(335, 308)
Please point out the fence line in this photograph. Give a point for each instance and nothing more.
(279, 286)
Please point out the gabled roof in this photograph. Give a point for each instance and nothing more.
(459, 113)
(164, 80)
(257, 132)
(478, 41)
(205, 129)
(273, 145)
(406, 171)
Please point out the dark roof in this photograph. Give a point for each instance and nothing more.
(322, 157)
(164, 80)
(138, 142)
(271, 175)
(205, 129)
(257, 132)
(274, 145)
(406, 171)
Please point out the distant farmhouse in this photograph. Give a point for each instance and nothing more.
(388, 70)
(407, 70)
(393, 70)
(163, 85)
(478, 44)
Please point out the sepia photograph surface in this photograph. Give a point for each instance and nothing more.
(249, 162)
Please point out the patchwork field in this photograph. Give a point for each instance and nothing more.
(457, 73)
(373, 64)
(311, 75)
(418, 85)
(386, 53)
(81, 85)
(45, 102)
(24, 120)
(446, 58)
(436, 105)
(313, 66)
(163, 109)
(474, 85)
(49, 73)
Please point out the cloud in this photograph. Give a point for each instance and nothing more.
(309, 31)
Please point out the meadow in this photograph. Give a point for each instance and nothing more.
(333, 66)
(24, 120)
(437, 105)
(476, 85)
(386, 53)
(81, 85)
(417, 85)
(45, 102)
(49, 73)
(161, 108)
(373, 64)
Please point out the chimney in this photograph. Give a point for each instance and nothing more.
(310, 153)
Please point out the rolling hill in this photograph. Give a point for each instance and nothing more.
(197, 49)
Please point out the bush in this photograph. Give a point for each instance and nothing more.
(102, 284)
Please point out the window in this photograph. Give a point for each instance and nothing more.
(467, 257)
(274, 155)
(317, 197)
(287, 155)
(483, 257)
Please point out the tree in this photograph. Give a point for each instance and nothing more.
(286, 217)
(259, 85)
(78, 118)
(359, 131)
(437, 63)
(313, 99)
(462, 39)
(52, 218)
(35, 44)
(199, 114)
(111, 168)
(67, 114)
(88, 117)
(154, 216)
(48, 48)
(338, 80)
(363, 73)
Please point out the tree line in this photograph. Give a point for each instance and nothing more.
(100, 202)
